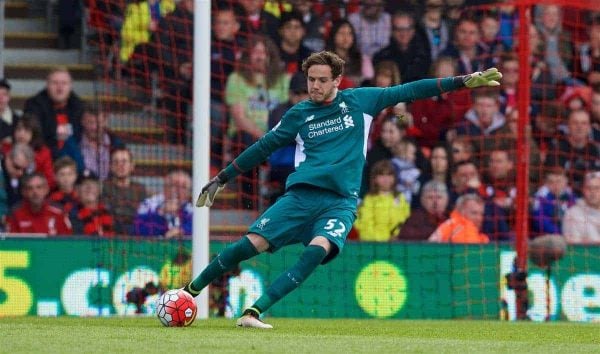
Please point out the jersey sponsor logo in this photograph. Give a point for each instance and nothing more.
(309, 118)
(348, 122)
(330, 126)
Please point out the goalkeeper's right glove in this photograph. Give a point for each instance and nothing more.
(488, 77)
(210, 190)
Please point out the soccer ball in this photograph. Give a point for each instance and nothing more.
(176, 308)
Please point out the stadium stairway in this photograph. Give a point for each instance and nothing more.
(31, 49)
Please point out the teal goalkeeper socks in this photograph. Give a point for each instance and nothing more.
(292, 278)
(224, 262)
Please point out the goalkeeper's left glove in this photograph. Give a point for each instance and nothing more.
(488, 77)
(210, 190)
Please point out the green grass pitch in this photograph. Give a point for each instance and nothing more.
(147, 335)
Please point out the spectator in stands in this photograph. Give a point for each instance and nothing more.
(393, 131)
(226, 49)
(90, 216)
(65, 171)
(500, 194)
(466, 179)
(16, 163)
(255, 20)
(383, 210)
(508, 22)
(407, 173)
(342, 41)
(466, 49)
(509, 64)
(551, 202)
(464, 223)
(282, 160)
(582, 221)
(439, 168)
(27, 130)
(587, 58)
(505, 138)
(175, 42)
(424, 220)
(314, 25)
(69, 13)
(373, 27)
(36, 215)
(169, 213)
(595, 112)
(59, 110)
(120, 193)
(386, 75)
(257, 86)
(435, 26)
(542, 85)
(407, 48)
(557, 42)
(434, 117)
(462, 149)
(482, 120)
(97, 142)
(141, 20)
(575, 151)
(291, 34)
(489, 27)
(8, 116)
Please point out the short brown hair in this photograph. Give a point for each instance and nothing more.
(325, 58)
(64, 161)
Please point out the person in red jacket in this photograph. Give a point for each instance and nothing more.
(35, 215)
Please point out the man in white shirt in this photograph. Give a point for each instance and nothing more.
(582, 221)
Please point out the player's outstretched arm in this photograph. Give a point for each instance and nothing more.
(210, 190)
(488, 77)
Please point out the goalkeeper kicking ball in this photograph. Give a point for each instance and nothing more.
(176, 308)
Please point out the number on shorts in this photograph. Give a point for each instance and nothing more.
(337, 232)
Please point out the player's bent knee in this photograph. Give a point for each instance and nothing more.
(259, 242)
(323, 242)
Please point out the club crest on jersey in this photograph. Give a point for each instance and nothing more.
(263, 222)
(344, 107)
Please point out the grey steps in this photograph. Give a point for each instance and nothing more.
(164, 153)
(25, 25)
(32, 40)
(40, 71)
(27, 87)
(41, 56)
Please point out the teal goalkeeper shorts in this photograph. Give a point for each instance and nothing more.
(303, 213)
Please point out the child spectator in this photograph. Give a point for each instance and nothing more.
(65, 170)
(404, 161)
(35, 215)
(90, 216)
(383, 209)
(28, 131)
(551, 202)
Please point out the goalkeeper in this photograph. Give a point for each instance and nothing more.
(330, 131)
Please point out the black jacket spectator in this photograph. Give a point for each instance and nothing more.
(42, 107)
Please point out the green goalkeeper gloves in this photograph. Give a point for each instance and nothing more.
(488, 77)
(210, 190)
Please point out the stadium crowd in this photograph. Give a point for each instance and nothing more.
(441, 169)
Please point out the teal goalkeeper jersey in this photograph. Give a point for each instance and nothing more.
(331, 138)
